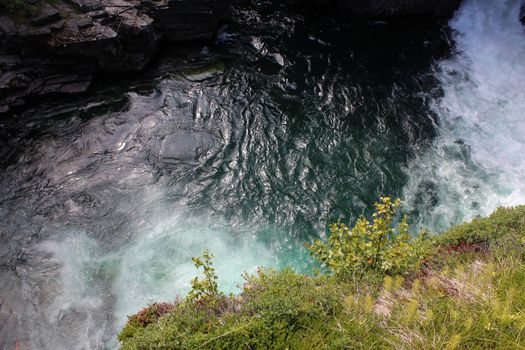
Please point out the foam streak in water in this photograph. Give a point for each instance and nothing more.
(156, 266)
(477, 162)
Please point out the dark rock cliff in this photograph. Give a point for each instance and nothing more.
(55, 47)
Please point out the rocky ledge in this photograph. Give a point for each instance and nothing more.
(55, 47)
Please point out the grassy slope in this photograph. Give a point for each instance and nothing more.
(470, 294)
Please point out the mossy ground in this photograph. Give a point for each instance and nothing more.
(467, 295)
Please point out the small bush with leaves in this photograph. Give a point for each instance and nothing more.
(150, 314)
(205, 291)
(463, 299)
(375, 245)
(502, 222)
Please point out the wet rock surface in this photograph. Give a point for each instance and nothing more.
(45, 14)
(57, 47)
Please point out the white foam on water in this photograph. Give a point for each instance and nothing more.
(157, 265)
(154, 266)
(74, 311)
(477, 161)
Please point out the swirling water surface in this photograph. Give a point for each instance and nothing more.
(250, 147)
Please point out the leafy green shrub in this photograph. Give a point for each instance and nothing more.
(376, 245)
(285, 296)
(279, 310)
(144, 317)
(503, 222)
(471, 300)
(205, 291)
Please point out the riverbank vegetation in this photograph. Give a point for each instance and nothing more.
(378, 288)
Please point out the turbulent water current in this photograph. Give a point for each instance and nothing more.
(250, 147)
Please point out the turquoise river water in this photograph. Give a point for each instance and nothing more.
(250, 147)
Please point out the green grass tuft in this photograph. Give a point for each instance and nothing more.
(467, 294)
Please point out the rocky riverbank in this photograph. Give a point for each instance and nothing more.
(57, 47)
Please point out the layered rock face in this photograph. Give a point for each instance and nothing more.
(187, 20)
(55, 47)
